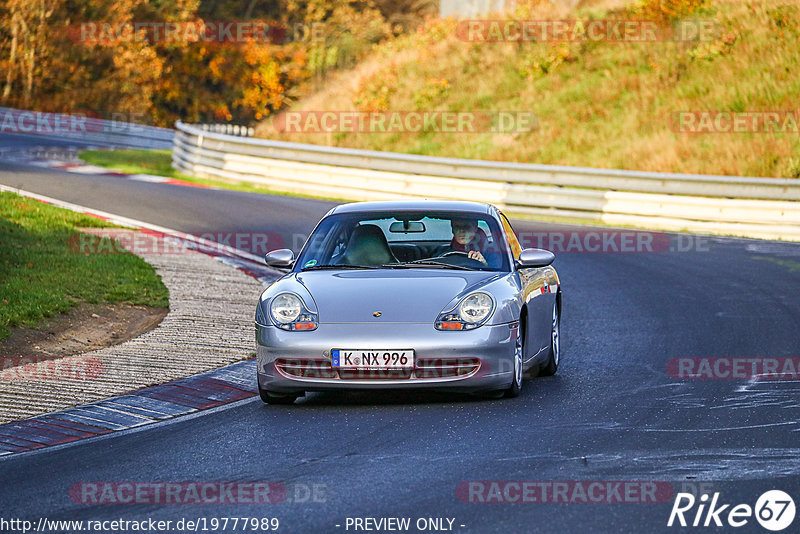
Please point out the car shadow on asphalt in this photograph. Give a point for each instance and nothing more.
(533, 388)
(383, 397)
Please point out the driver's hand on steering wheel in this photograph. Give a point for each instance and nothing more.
(476, 255)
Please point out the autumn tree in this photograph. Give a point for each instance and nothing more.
(68, 55)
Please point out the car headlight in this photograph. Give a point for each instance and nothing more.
(289, 312)
(475, 308)
(286, 307)
(471, 312)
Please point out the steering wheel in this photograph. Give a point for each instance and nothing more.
(461, 258)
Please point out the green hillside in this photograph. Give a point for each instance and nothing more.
(599, 103)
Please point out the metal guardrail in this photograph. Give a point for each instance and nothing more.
(82, 129)
(767, 208)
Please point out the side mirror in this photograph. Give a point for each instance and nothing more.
(281, 259)
(535, 257)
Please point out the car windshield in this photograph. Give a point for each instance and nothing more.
(410, 239)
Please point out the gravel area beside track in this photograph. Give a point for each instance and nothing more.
(210, 324)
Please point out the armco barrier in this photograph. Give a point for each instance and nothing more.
(767, 208)
(81, 129)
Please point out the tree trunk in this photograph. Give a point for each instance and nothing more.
(12, 61)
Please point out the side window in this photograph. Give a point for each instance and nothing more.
(512, 238)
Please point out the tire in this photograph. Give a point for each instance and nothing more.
(274, 398)
(519, 355)
(550, 368)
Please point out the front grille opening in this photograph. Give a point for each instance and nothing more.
(446, 367)
(383, 374)
(305, 368)
(426, 369)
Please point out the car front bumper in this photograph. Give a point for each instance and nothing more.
(491, 346)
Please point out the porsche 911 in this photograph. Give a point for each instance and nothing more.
(413, 294)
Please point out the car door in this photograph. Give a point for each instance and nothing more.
(536, 295)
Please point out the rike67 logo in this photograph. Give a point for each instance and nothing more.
(774, 510)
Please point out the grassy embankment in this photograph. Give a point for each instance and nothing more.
(599, 104)
(40, 276)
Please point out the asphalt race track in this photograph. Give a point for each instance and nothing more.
(612, 413)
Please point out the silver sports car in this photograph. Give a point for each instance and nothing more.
(408, 294)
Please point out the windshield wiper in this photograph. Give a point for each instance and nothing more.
(324, 267)
(401, 265)
(428, 263)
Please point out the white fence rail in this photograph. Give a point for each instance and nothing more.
(767, 208)
(82, 129)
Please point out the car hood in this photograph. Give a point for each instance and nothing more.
(402, 296)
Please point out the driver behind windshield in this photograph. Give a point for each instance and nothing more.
(467, 238)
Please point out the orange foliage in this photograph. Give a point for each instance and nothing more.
(46, 65)
(665, 10)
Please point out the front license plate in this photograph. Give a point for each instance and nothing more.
(372, 359)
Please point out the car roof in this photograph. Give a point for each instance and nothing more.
(412, 205)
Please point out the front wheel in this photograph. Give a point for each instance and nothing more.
(551, 367)
(275, 398)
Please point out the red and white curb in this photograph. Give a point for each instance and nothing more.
(203, 391)
(85, 168)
